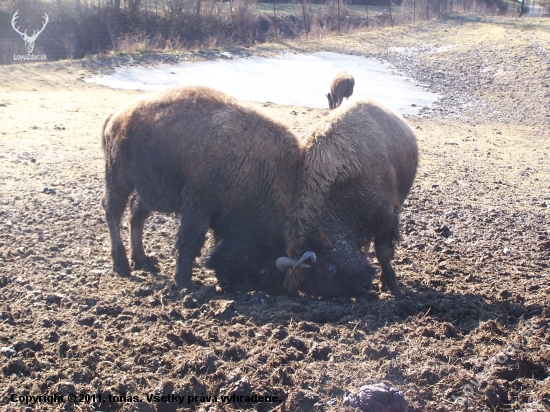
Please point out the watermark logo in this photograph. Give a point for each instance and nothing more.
(29, 40)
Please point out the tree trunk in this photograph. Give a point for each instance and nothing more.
(304, 14)
(339, 18)
(275, 21)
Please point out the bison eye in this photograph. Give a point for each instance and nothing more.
(330, 271)
(263, 273)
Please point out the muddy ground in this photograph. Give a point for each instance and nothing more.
(470, 332)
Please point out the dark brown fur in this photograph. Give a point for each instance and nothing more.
(340, 88)
(219, 163)
(358, 168)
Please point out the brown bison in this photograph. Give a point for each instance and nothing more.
(218, 163)
(358, 168)
(341, 86)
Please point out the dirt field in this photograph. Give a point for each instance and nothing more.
(471, 331)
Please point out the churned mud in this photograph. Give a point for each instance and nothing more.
(471, 330)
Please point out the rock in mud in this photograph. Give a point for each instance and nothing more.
(377, 398)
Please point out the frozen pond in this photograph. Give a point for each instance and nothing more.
(294, 79)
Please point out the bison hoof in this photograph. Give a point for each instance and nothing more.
(122, 269)
(392, 287)
(389, 279)
(148, 263)
(181, 282)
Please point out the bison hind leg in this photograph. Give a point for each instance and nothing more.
(114, 202)
(138, 215)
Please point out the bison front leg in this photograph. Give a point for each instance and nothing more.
(384, 253)
(191, 235)
(138, 215)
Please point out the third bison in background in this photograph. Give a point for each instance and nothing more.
(341, 86)
(359, 166)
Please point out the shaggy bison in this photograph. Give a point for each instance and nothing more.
(358, 168)
(219, 164)
(341, 86)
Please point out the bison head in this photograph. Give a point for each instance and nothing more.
(330, 101)
(336, 269)
(244, 266)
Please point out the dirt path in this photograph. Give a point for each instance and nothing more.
(472, 329)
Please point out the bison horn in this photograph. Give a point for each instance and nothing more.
(283, 263)
(308, 255)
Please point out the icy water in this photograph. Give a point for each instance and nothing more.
(293, 79)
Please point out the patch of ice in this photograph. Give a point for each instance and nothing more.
(293, 79)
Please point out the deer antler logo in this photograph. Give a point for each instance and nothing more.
(29, 40)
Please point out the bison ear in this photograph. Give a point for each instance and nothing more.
(322, 240)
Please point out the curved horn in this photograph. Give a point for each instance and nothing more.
(308, 255)
(283, 263)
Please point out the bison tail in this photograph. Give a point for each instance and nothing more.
(103, 130)
(351, 85)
